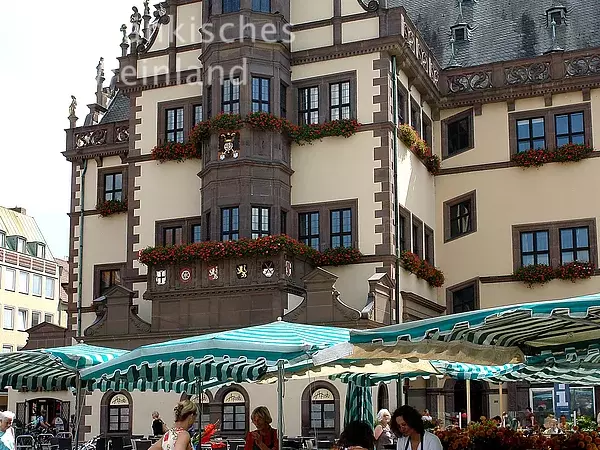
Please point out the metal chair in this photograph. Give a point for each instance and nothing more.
(25, 442)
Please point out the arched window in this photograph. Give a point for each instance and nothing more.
(116, 413)
(383, 397)
(321, 410)
(234, 404)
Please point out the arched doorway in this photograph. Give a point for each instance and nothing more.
(455, 393)
(383, 397)
(55, 412)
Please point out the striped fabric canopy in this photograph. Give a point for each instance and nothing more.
(230, 356)
(494, 336)
(52, 368)
(359, 404)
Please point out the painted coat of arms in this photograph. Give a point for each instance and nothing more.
(229, 145)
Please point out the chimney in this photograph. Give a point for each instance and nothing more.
(19, 210)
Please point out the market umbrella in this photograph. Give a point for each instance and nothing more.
(495, 336)
(359, 404)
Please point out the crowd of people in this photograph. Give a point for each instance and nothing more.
(405, 429)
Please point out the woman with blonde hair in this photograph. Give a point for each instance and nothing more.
(265, 436)
(177, 437)
(383, 433)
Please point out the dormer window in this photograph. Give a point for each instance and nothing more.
(21, 245)
(37, 249)
(2, 239)
(556, 15)
(460, 33)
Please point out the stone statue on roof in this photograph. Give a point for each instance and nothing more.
(73, 106)
(100, 69)
(136, 21)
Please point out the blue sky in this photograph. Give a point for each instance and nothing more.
(49, 52)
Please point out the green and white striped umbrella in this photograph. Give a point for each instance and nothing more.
(231, 356)
(359, 404)
(51, 368)
(494, 336)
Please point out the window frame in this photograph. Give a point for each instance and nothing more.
(188, 116)
(570, 134)
(429, 245)
(469, 115)
(450, 291)
(231, 231)
(195, 108)
(553, 229)
(536, 253)
(402, 100)
(256, 234)
(2, 239)
(575, 249)
(49, 315)
(233, 9)
(232, 102)
(39, 315)
(260, 8)
(14, 279)
(25, 321)
(99, 268)
(448, 204)
(531, 137)
(259, 101)
(7, 348)
(404, 229)
(12, 314)
(341, 105)
(322, 83)
(415, 114)
(324, 209)
(101, 187)
(416, 225)
(52, 282)
(305, 114)
(21, 289)
(427, 128)
(283, 101)
(308, 237)
(549, 115)
(186, 223)
(341, 234)
(178, 125)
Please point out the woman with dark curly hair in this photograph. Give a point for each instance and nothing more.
(407, 424)
(357, 435)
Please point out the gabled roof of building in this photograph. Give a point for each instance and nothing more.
(118, 109)
(502, 30)
(14, 223)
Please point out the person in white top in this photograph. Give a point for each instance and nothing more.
(407, 424)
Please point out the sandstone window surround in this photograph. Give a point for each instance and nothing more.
(458, 134)
(106, 276)
(324, 211)
(405, 229)
(323, 87)
(167, 230)
(190, 113)
(460, 216)
(417, 236)
(429, 246)
(463, 297)
(542, 242)
(549, 116)
(320, 410)
(112, 183)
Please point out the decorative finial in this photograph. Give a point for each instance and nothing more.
(460, 12)
(453, 62)
(100, 69)
(555, 46)
(147, 17)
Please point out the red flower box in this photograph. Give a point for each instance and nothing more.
(422, 269)
(565, 153)
(576, 270)
(176, 151)
(109, 207)
(535, 274)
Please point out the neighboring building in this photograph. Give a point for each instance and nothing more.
(480, 81)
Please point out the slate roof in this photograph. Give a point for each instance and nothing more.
(502, 30)
(118, 109)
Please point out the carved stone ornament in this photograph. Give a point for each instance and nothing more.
(582, 66)
(213, 273)
(161, 277)
(268, 269)
(90, 138)
(241, 270)
(466, 82)
(122, 134)
(370, 5)
(229, 145)
(185, 275)
(532, 73)
(288, 269)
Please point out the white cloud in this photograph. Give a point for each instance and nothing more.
(49, 53)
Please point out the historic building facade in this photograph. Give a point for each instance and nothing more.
(156, 164)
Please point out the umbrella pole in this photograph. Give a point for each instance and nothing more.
(468, 383)
(77, 410)
(400, 391)
(280, 404)
(199, 394)
(501, 401)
